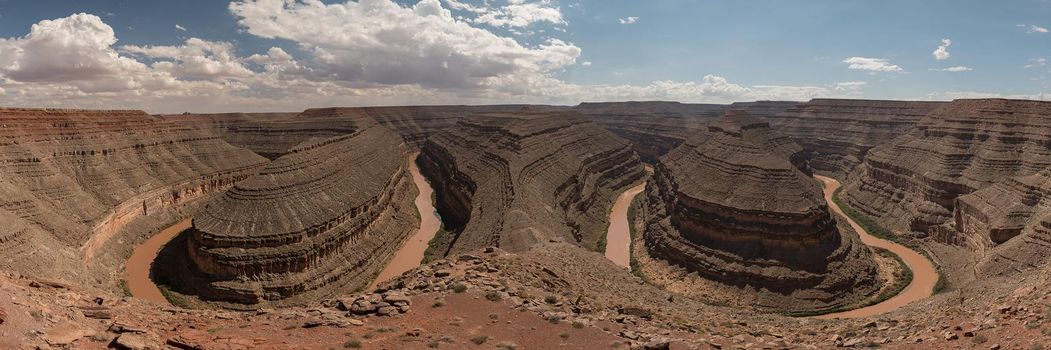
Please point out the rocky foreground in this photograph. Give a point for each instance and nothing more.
(553, 296)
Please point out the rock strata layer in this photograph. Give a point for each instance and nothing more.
(322, 219)
(273, 134)
(70, 180)
(654, 128)
(512, 180)
(1008, 224)
(837, 134)
(912, 183)
(730, 205)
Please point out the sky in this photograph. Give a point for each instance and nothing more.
(288, 55)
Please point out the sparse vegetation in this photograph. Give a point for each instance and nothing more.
(493, 296)
(479, 339)
(439, 245)
(459, 287)
(510, 346)
(633, 261)
(124, 287)
(902, 279)
(174, 298)
(979, 339)
(863, 220)
(352, 344)
(438, 303)
(550, 299)
(578, 324)
(553, 319)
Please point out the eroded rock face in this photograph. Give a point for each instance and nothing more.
(273, 134)
(75, 178)
(912, 183)
(837, 134)
(1007, 223)
(324, 218)
(730, 205)
(654, 128)
(516, 179)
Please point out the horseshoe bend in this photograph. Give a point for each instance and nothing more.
(731, 221)
(524, 174)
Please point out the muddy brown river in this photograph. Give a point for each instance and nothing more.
(924, 276)
(618, 237)
(411, 254)
(137, 270)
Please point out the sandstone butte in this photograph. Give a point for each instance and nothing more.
(293, 212)
(320, 220)
(513, 180)
(730, 205)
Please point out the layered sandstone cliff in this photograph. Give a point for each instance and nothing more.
(655, 127)
(912, 183)
(1008, 224)
(322, 219)
(513, 180)
(76, 178)
(837, 134)
(273, 134)
(730, 205)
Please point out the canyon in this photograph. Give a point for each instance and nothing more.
(514, 180)
(338, 222)
(729, 205)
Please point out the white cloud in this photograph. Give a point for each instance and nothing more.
(75, 48)
(850, 86)
(520, 14)
(1032, 28)
(381, 42)
(628, 20)
(1036, 62)
(871, 64)
(954, 69)
(179, 27)
(942, 52)
(586, 63)
(515, 14)
(197, 59)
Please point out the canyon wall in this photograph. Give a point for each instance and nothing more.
(730, 205)
(75, 178)
(912, 183)
(322, 219)
(836, 134)
(273, 134)
(512, 180)
(1008, 224)
(654, 128)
